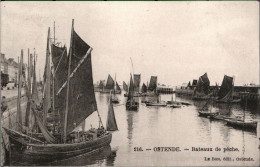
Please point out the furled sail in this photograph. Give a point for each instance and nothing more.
(144, 88)
(110, 83)
(82, 101)
(153, 83)
(131, 90)
(35, 96)
(137, 80)
(117, 86)
(202, 85)
(125, 87)
(47, 83)
(28, 91)
(60, 60)
(111, 120)
(47, 135)
(226, 87)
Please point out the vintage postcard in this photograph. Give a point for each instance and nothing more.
(130, 83)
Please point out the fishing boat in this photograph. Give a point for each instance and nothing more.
(158, 103)
(131, 103)
(114, 99)
(242, 123)
(137, 93)
(77, 101)
(201, 91)
(101, 85)
(173, 104)
(144, 90)
(205, 112)
(225, 94)
(110, 85)
(137, 80)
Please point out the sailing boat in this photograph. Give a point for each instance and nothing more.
(151, 91)
(114, 99)
(101, 85)
(173, 104)
(158, 103)
(241, 123)
(225, 94)
(131, 104)
(111, 121)
(110, 85)
(137, 80)
(77, 94)
(201, 91)
(205, 113)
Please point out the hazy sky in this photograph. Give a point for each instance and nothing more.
(177, 41)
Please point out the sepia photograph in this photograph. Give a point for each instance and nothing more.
(130, 83)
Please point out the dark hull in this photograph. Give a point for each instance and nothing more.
(206, 114)
(200, 98)
(40, 154)
(174, 106)
(112, 91)
(132, 107)
(227, 101)
(241, 124)
(219, 117)
(156, 104)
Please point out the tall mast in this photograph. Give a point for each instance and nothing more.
(46, 100)
(28, 110)
(19, 114)
(68, 85)
(133, 75)
(54, 33)
(115, 87)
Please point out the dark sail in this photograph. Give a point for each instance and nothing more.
(131, 90)
(194, 82)
(110, 83)
(125, 87)
(137, 79)
(153, 83)
(111, 120)
(144, 88)
(226, 87)
(203, 85)
(82, 101)
(117, 86)
(60, 60)
(101, 84)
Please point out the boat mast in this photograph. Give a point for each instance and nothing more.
(54, 33)
(19, 114)
(53, 74)
(115, 87)
(68, 85)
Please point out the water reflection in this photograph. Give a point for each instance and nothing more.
(130, 127)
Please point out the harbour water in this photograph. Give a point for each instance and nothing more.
(152, 127)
